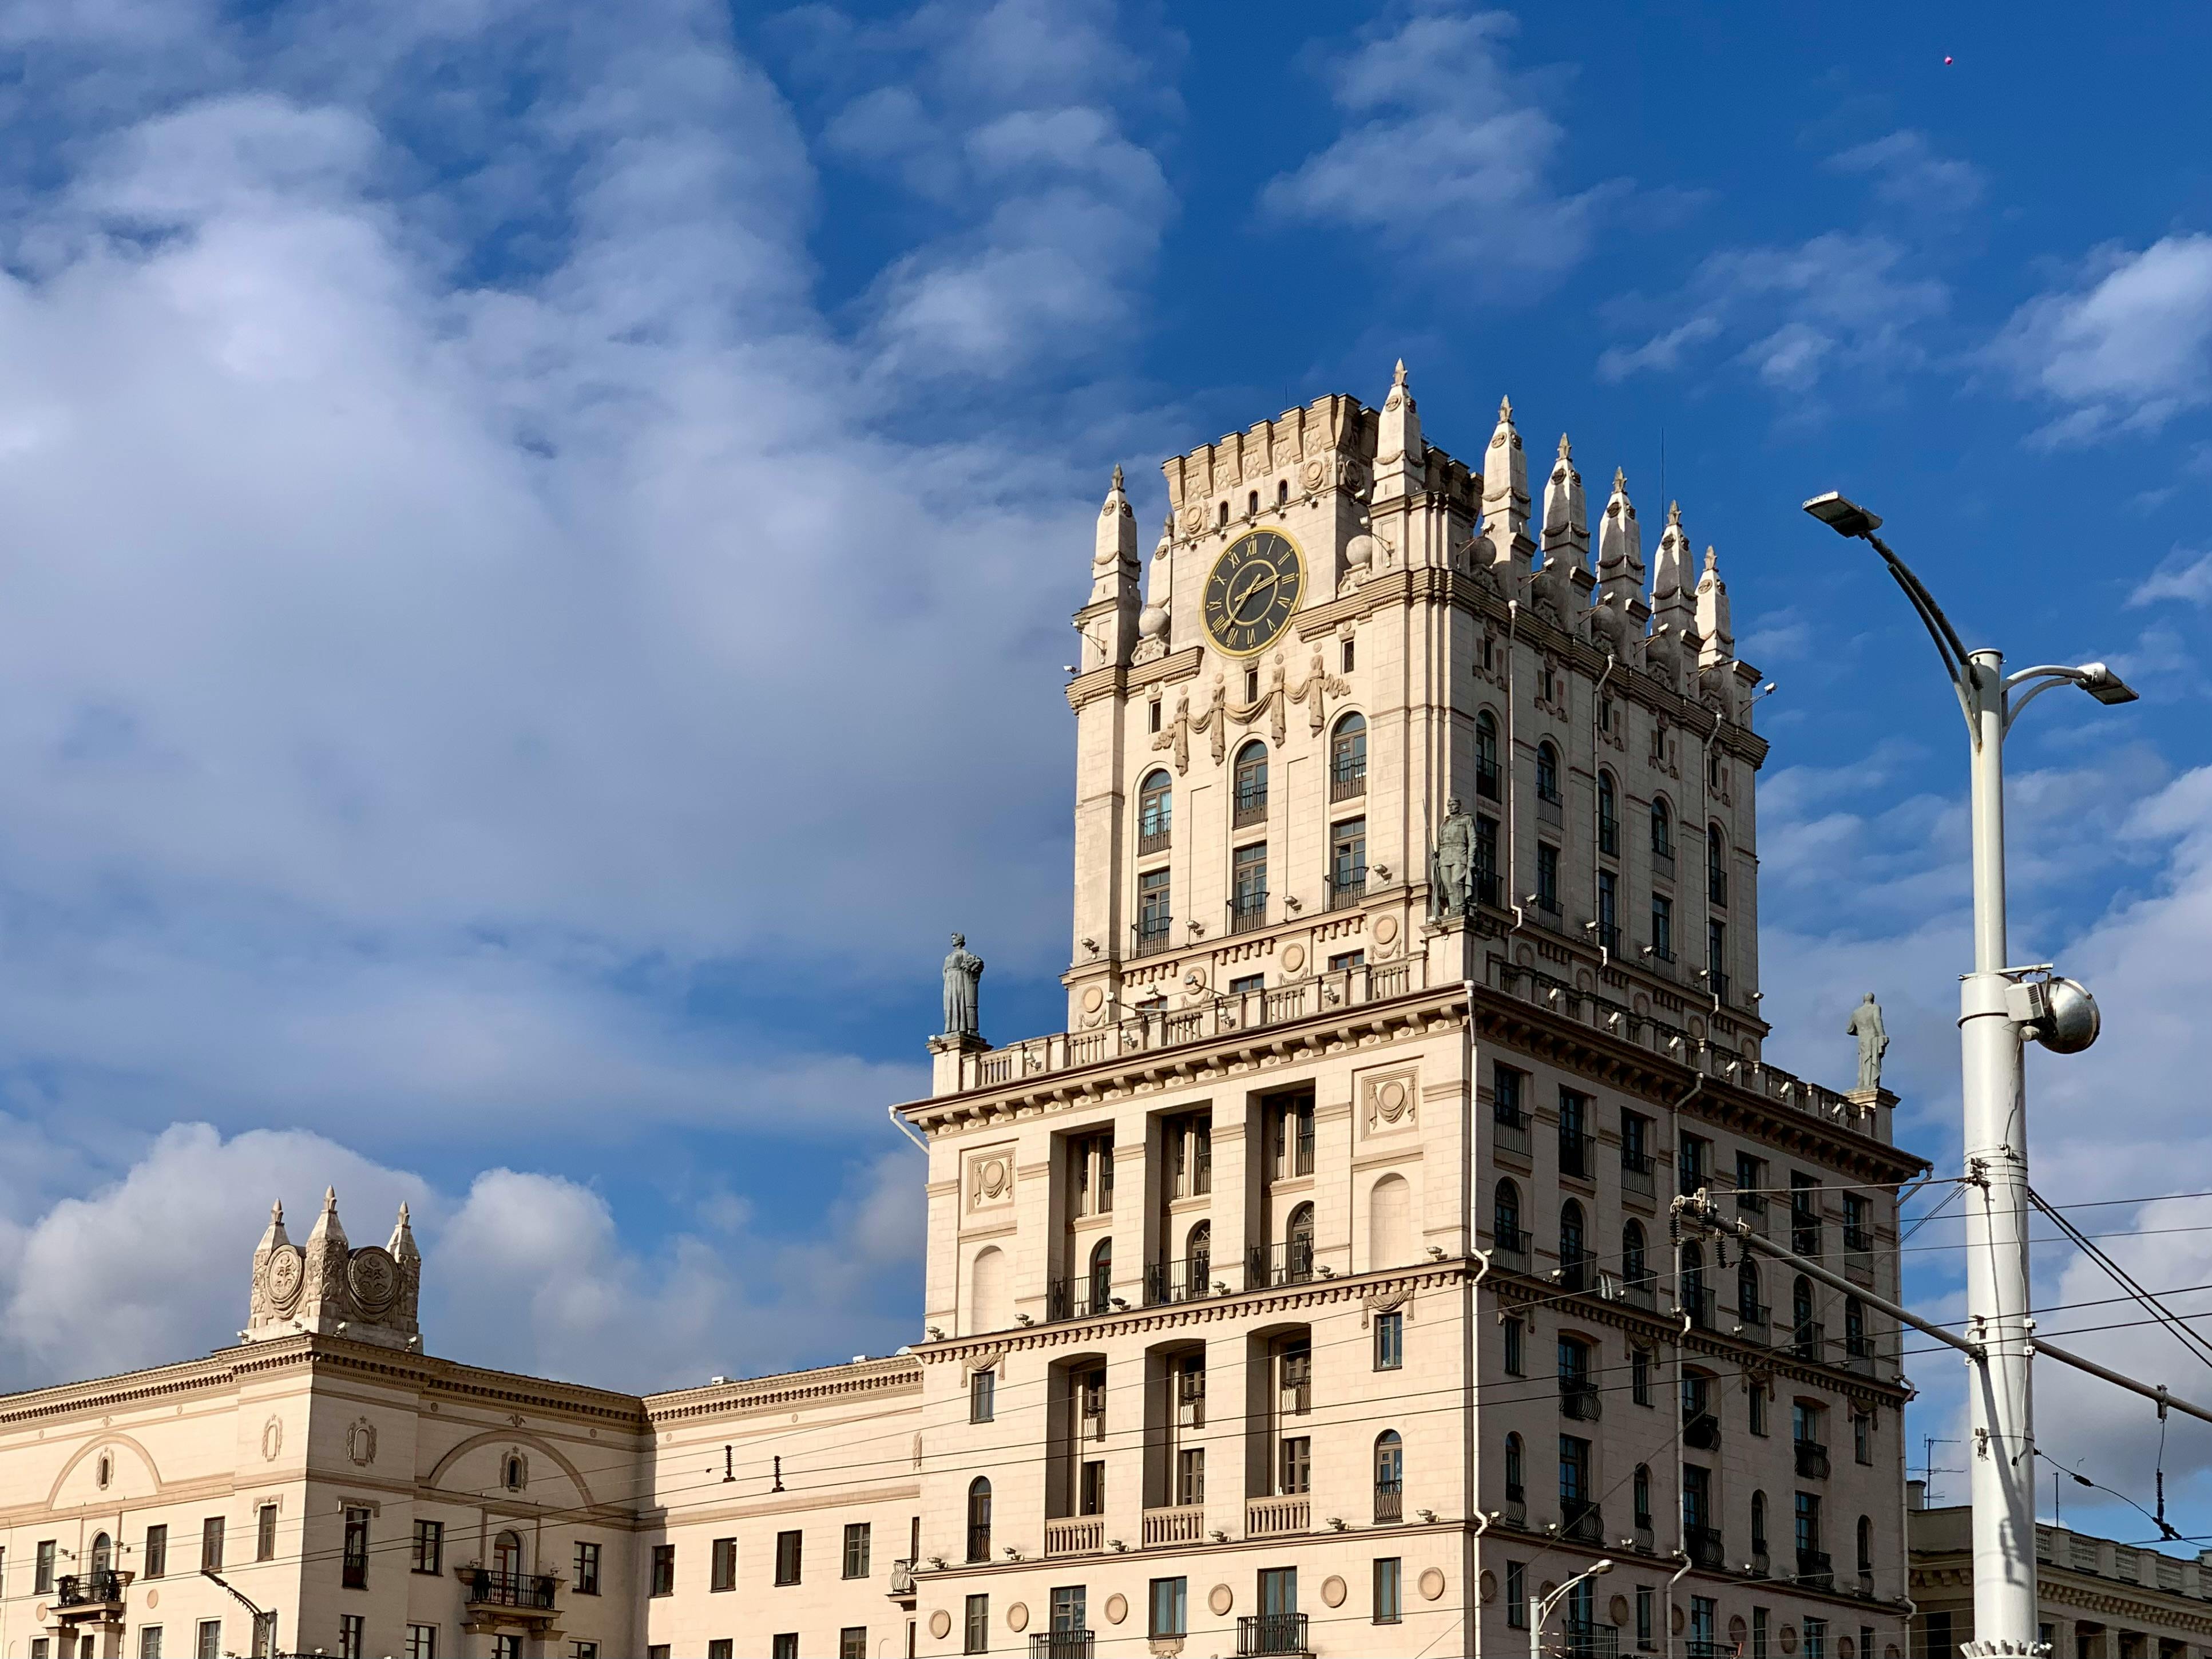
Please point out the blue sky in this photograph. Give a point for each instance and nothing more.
(538, 540)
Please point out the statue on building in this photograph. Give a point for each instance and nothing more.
(1865, 1024)
(963, 971)
(1451, 866)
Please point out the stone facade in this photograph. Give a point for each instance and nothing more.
(1314, 1290)
(2099, 1600)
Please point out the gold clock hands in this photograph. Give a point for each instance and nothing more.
(1265, 578)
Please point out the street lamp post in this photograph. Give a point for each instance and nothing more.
(1998, 1005)
(1540, 1606)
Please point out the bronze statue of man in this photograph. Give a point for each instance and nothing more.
(1865, 1024)
(1451, 875)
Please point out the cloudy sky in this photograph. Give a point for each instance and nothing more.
(536, 543)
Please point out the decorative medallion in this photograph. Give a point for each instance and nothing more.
(272, 1439)
(1093, 999)
(1619, 1608)
(1221, 1598)
(287, 1271)
(1790, 1639)
(153, 1598)
(373, 1277)
(1118, 1607)
(1316, 474)
(1390, 1102)
(1486, 1586)
(1386, 929)
(1847, 1649)
(361, 1442)
(1737, 1630)
(1294, 958)
(1433, 1584)
(1017, 1617)
(940, 1623)
(1333, 1591)
(1251, 592)
(1194, 520)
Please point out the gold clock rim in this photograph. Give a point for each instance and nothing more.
(1305, 571)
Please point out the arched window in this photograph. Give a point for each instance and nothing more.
(1347, 758)
(1633, 1267)
(1251, 782)
(1223, 518)
(979, 1519)
(1390, 1222)
(1282, 492)
(1547, 773)
(1252, 503)
(1102, 1275)
(1716, 865)
(1154, 811)
(105, 1471)
(1199, 1254)
(1505, 1218)
(1663, 830)
(1389, 1476)
(514, 1476)
(1517, 1472)
(1609, 817)
(1641, 1492)
(103, 1553)
(1758, 1524)
(1866, 1546)
(507, 1556)
(1485, 754)
(1747, 1308)
(1693, 1287)
(1574, 1247)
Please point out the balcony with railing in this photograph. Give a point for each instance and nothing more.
(1186, 1278)
(1697, 1302)
(528, 1593)
(1752, 1321)
(1858, 1255)
(1060, 1645)
(1705, 1548)
(1157, 840)
(1701, 1431)
(1085, 1296)
(1250, 808)
(1248, 912)
(1389, 1503)
(1576, 1641)
(1578, 1156)
(1075, 1535)
(1268, 1633)
(1509, 1131)
(1346, 782)
(1815, 1570)
(1581, 1522)
(1347, 889)
(1278, 1517)
(1808, 1340)
(1640, 1289)
(103, 1587)
(1288, 1263)
(1858, 1353)
(1153, 934)
(1638, 1173)
(1578, 1270)
(1511, 1245)
(1181, 1524)
(1579, 1398)
(1804, 1233)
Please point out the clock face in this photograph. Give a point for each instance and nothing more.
(1252, 589)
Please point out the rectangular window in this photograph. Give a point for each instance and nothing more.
(1090, 1162)
(723, 1565)
(724, 1649)
(1716, 958)
(156, 1558)
(1170, 1607)
(663, 1581)
(40, 1646)
(1750, 1182)
(1486, 859)
(1155, 912)
(853, 1641)
(1816, 1639)
(1758, 1634)
(1857, 1235)
(977, 1627)
(1507, 1095)
(1758, 1409)
(1937, 1632)
(783, 1645)
(1808, 1525)
(1693, 1164)
(1293, 1138)
(1704, 1614)
(1608, 911)
(1515, 1361)
(1090, 1493)
(350, 1635)
(1190, 1155)
(1190, 1475)
(1548, 876)
(1663, 927)
(1296, 1466)
(150, 1642)
(1345, 960)
(1804, 1214)
(1643, 1600)
(587, 1570)
(354, 1567)
(422, 1641)
(787, 1561)
(982, 1396)
(858, 1542)
(508, 1645)
(1347, 862)
(659, 1649)
(1863, 1437)
(429, 1549)
(1248, 888)
(1574, 1473)
(208, 1643)
(1390, 1591)
(1639, 1376)
(1390, 1341)
(42, 1571)
(1069, 1603)
(1516, 1595)
(265, 1533)
(583, 1650)
(1248, 985)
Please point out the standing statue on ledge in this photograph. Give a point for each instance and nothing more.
(963, 971)
(1874, 1041)
(1451, 866)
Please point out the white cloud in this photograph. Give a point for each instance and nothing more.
(2179, 577)
(1792, 315)
(2131, 346)
(1907, 172)
(1447, 154)
(523, 1271)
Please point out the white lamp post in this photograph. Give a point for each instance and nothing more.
(1999, 1003)
(1540, 1606)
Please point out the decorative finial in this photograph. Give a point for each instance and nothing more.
(1398, 378)
(1619, 481)
(1117, 475)
(330, 1199)
(276, 1213)
(1566, 449)
(1505, 410)
(402, 1211)
(1673, 514)
(1712, 561)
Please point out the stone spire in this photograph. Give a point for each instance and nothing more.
(1714, 627)
(324, 1300)
(1159, 594)
(1673, 600)
(1108, 622)
(1400, 453)
(1566, 525)
(262, 1306)
(402, 1239)
(1620, 547)
(1506, 494)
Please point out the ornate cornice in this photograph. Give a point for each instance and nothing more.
(865, 1379)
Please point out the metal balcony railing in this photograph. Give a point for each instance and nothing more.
(1810, 1340)
(1578, 1156)
(1183, 1279)
(1638, 1172)
(1578, 1270)
(102, 1586)
(1586, 1641)
(1812, 1460)
(1288, 1263)
(1512, 1243)
(1152, 936)
(1813, 1568)
(489, 1586)
(1346, 783)
(1858, 1354)
(1697, 1301)
(1154, 840)
(1579, 1398)
(1705, 1547)
(1060, 1645)
(1084, 1297)
(1250, 809)
(1248, 912)
(1390, 1502)
(1349, 891)
(1701, 1433)
(1750, 1319)
(1581, 1522)
(1261, 1633)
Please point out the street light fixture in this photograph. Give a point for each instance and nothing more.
(1999, 1004)
(1540, 1606)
